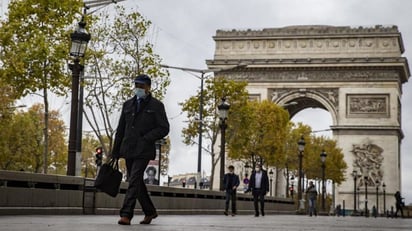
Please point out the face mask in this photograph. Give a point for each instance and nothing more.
(139, 92)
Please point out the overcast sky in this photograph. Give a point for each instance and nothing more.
(182, 33)
(183, 30)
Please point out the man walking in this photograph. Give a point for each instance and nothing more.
(142, 121)
(231, 182)
(259, 185)
(312, 196)
(399, 203)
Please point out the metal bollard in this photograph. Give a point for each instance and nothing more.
(343, 210)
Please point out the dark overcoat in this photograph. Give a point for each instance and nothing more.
(264, 186)
(139, 128)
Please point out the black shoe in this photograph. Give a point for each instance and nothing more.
(256, 214)
(263, 214)
(124, 221)
(226, 213)
(233, 214)
(148, 219)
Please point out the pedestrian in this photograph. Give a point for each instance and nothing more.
(259, 185)
(142, 121)
(312, 194)
(231, 182)
(398, 203)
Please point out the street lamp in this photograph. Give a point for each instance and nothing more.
(384, 198)
(200, 127)
(223, 109)
(271, 181)
(79, 40)
(323, 159)
(377, 196)
(79, 48)
(355, 177)
(365, 178)
(301, 148)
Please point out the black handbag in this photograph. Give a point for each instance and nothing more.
(109, 178)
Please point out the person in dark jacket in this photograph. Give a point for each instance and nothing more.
(259, 185)
(231, 182)
(312, 195)
(142, 121)
(399, 203)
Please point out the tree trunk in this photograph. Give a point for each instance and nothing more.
(46, 127)
(212, 174)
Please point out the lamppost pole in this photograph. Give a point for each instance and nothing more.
(271, 182)
(79, 39)
(384, 198)
(301, 147)
(366, 195)
(355, 177)
(223, 109)
(377, 196)
(287, 180)
(323, 159)
(200, 127)
(76, 68)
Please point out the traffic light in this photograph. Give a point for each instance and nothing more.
(99, 156)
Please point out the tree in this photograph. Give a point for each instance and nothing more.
(215, 89)
(23, 149)
(34, 40)
(119, 51)
(258, 133)
(164, 162)
(89, 145)
(335, 164)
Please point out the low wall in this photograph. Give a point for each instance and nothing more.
(29, 193)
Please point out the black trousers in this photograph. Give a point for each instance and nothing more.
(137, 189)
(230, 196)
(259, 196)
(398, 208)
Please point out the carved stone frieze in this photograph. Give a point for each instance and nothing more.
(278, 45)
(295, 75)
(359, 105)
(368, 159)
(308, 41)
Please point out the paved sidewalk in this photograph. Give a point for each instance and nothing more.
(202, 223)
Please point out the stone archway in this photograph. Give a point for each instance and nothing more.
(356, 74)
(307, 98)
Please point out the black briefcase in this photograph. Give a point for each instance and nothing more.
(109, 178)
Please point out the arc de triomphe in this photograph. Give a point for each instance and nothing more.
(356, 74)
